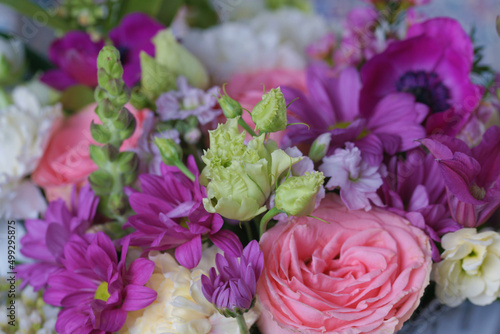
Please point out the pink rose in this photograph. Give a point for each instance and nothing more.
(363, 272)
(66, 161)
(247, 88)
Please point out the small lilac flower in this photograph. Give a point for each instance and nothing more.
(231, 288)
(170, 214)
(358, 180)
(133, 35)
(45, 238)
(95, 289)
(75, 56)
(188, 101)
(415, 190)
(471, 176)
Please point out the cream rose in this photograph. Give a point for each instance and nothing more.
(470, 268)
(181, 307)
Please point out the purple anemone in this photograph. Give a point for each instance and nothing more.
(170, 214)
(433, 63)
(133, 35)
(96, 290)
(75, 55)
(45, 238)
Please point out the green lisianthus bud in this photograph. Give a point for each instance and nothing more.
(240, 177)
(297, 195)
(171, 152)
(178, 60)
(230, 107)
(269, 115)
(320, 146)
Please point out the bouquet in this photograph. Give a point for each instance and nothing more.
(245, 167)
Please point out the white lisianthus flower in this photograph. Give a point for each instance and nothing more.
(270, 40)
(181, 307)
(470, 268)
(25, 128)
(11, 60)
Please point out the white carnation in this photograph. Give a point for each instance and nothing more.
(470, 268)
(270, 40)
(25, 127)
(181, 307)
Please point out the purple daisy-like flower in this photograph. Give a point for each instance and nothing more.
(170, 214)
(415, 190)
(332, 107)
(471, 176)
(133, 35)
(188, 101)
(75, 55)
(433, 64)
(45, 238)
(232, 286)
(95, 289)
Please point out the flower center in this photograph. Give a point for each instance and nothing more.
(427, 88)
(477, 192)
(102, 292)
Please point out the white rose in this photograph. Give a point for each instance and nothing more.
(181, 307)
(11, 60)
(470, 268)
(25, 127)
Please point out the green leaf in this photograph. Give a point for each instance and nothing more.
(77, 97)
(156, 78)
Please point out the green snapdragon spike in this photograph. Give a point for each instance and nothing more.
(116, 169)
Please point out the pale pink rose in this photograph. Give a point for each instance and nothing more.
(248, 88)
(66, 161)
(362, 272)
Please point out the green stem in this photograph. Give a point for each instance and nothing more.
(185, 170)
(267, 217)
(38, 13)
(249, 230)
(242, 324)
(245, 126)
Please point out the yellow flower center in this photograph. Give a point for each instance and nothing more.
(102, 292)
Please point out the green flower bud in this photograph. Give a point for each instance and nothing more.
(240, 177)
(155, 78)
(124, 120)
(109, 60)
(178, 60)
(320, 146)
(127, 163)
(269, 114)
(171, 152)
(100, 133)
(101, 182)
(230, 107)
(102, 155)
(297, 195)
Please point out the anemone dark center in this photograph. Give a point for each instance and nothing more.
(427, 88)
(124, 51)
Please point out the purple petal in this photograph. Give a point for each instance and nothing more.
(458, 174)
(137, 297)
(189, 253)
(111, 320)
(228, 242)
(140, 271)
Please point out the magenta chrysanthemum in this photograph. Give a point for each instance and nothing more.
(45, 238)
(95, 289)
(170, 214)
